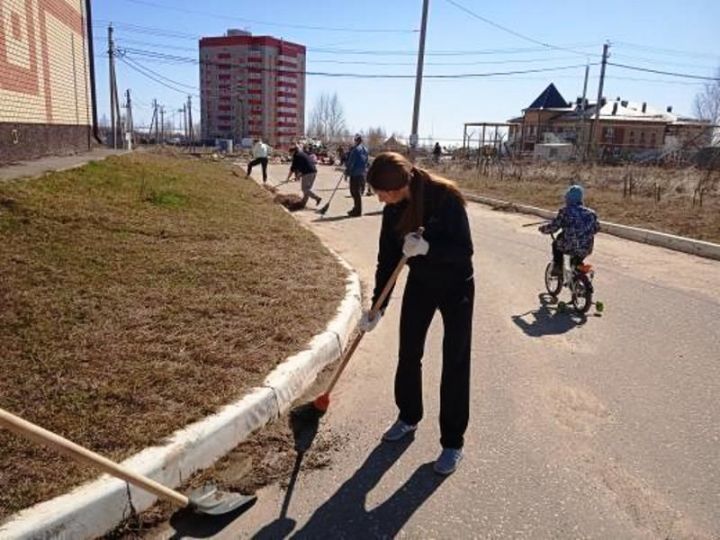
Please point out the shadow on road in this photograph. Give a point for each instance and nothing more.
(345, 216)
(547, 320)
(283, 525)
(344, 515)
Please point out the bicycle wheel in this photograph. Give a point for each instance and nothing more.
(582, 291)
(553, 283)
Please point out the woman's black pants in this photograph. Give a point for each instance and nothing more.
(454, 299)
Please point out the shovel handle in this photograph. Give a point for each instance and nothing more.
(80, 454)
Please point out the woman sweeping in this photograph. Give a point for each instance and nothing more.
(440, 278)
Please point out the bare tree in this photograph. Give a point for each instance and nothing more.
(707, 103)
(327, 120)
(374, 137)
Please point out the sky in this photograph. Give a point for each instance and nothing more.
(464, 37)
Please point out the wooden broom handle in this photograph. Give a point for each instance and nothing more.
(80, 454)
(374, 311)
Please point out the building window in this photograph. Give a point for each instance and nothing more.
(642, 138)
(653, 139)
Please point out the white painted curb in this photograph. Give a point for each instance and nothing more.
(669, 241)
(95, 508)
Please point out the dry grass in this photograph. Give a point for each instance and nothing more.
(139, 294)
(607, 191)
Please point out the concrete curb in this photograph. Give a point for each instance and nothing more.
(95, 508)
(669, 241)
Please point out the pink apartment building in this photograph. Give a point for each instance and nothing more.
(252, 86)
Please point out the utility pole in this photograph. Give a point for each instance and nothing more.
(162, 125)
(418, 82)
(156, 114)
(184, 120)
(190, 124)
(153, 121)
(114, 106)
(580, 141)
(598, 106)
(129, 128)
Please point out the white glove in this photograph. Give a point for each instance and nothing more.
(415, 245)
(366, 324)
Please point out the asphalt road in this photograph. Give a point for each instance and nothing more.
(607, 427)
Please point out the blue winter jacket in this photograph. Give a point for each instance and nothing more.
(579, 225)
(357, 161)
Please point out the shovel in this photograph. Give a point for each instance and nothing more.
(205, 500)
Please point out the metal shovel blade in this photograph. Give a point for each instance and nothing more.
(210, 500)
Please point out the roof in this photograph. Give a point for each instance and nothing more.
(550, 98)
(392, 142)
(625, 111)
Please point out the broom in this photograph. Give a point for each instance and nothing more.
(305, 418)
(322, 211)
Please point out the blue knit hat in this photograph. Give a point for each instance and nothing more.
(574, 195)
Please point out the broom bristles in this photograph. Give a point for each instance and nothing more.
(322, 402)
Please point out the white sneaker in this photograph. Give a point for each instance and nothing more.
(397, 431)
(448, 461)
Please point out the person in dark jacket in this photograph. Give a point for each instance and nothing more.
(579, 226)
(437, 152)
(440, 279)
(302, 165)
(355, 169)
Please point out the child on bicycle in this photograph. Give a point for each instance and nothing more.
(579, 225)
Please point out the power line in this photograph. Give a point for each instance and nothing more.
(158, 45)
(369, 62)
(665, 51)
(663, 62)
(170, 81)
(160, 32)
(385, 52)
(474, 63)
(662, 81)
(150, 30)
(670, 73)
(508, 30)
(226, 17)
(153, 54)
(150, 75)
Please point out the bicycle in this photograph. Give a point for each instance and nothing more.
(577, 276)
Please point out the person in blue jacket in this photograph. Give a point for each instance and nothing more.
(579, 226)
(355, 168)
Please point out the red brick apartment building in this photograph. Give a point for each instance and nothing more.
(252, 86)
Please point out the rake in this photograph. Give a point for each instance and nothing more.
(322, 211)
(304, 419)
